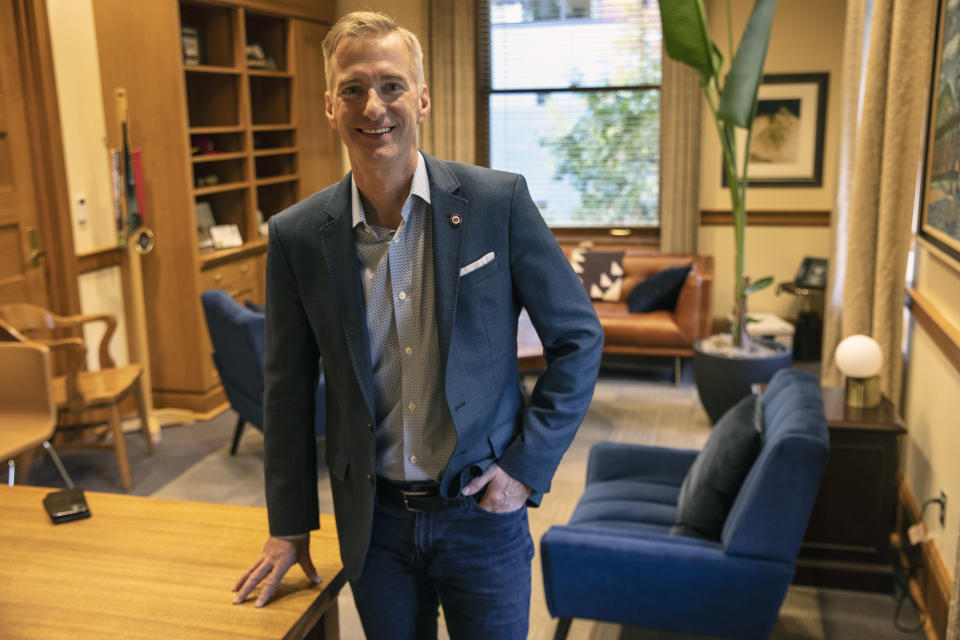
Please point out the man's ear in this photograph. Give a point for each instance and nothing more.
(424, 105)
(331, 117)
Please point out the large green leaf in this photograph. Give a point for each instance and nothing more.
(740, 88)
(762, 283)
(686, 36)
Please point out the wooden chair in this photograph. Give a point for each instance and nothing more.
(77, 392)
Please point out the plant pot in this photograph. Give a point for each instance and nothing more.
(724, 377)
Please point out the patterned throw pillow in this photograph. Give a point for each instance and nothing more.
(601, 273)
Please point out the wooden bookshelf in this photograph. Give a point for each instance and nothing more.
(224, 130)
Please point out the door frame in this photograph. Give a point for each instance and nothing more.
(35, 55)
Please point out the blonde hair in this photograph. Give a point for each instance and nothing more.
(369, 24)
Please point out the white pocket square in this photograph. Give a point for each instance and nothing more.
(476, 264)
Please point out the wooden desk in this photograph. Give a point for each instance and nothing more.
(847, 543)
(148, 568)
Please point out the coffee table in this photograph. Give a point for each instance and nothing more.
(148, 568)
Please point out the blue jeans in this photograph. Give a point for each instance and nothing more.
(474, 563)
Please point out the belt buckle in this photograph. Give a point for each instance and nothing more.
(406, 502)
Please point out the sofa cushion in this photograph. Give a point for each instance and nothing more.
(714, 479)
(622, 328)
(601, 273)
(659, 291)
(628, 503)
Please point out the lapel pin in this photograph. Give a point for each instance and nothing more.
(455, 220)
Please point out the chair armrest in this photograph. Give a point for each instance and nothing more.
(618, 461)
(74, 352)
(692, 312)
(73, 322)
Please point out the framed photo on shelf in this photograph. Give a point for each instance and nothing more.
(940, 210)
(205, 221)
(226, 236)
(788, 133)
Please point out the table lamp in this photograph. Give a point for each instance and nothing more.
(859, 358)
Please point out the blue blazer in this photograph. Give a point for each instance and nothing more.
(315, 309)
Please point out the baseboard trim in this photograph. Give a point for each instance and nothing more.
(931, 584)
(200, 403)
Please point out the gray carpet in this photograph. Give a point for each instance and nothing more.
(640, 405)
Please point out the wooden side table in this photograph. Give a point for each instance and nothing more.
(847, 544)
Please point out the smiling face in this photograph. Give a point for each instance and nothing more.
(375, 103)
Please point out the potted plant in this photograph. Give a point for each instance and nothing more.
(725, 366)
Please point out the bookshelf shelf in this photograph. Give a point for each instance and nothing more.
(291, 177)
(218, 156)
(211, 69)
(220, 188)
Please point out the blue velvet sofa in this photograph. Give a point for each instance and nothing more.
(617, 559)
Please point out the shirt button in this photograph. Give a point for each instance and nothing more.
(412, 406)
(402, 295)
(408, 350)
(413, 459)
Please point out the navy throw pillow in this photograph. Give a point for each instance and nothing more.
(714, 479)
(254, 306)
(658, 292)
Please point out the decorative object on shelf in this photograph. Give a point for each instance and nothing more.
(191, 39)
(940, 212)
(201, 145)
(728, 367)
(226, 236)
(787, 146)
(262, 225)
(860, 358)
(257, 59)
(207, 181)
(205, 220)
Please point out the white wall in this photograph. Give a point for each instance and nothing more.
(931, 405)
(77, 69)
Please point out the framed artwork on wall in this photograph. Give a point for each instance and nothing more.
(788, 133)
(940, 209)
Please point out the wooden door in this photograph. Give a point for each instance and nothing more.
(23, 276)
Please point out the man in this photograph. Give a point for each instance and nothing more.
(407, 278)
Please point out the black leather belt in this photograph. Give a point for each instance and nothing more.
(413, 496)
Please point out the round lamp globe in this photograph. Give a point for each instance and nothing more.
(859, 356)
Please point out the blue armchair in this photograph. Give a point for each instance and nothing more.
(620, 558)
(237, 334)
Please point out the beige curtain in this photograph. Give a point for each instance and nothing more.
(680, 104)
(881, 144)
(450, 131)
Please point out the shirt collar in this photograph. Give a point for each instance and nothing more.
(420, 187)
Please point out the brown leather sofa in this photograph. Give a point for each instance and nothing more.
(659, 333)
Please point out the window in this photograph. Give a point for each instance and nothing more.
(571, 90)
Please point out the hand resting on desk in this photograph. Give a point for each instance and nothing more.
(279, 554)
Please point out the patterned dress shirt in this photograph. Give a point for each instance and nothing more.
(414, 432)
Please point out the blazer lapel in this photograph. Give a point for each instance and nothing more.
(447, 241)
(336, 243)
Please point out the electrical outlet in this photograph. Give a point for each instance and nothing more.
(943, 508)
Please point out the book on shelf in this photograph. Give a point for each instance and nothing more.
(190, 38)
